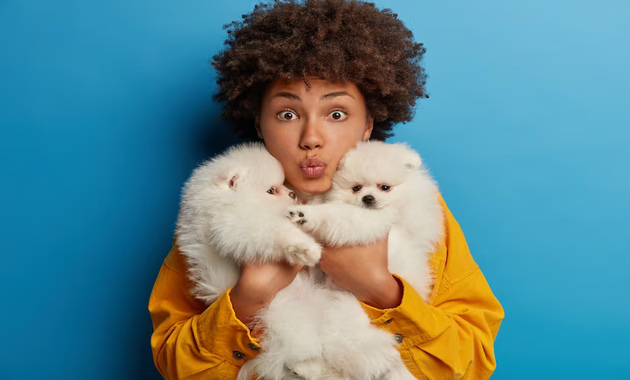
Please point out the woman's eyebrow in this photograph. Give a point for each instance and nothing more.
(290, 95)
(335, 94)
(286, 95)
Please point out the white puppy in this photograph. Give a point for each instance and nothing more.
(232, 212)
(378, 189)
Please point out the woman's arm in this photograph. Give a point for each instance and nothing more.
(191, 341)
(452, 336)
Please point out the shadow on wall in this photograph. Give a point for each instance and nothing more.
(213, 134)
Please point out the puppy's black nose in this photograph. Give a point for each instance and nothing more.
(368, 200)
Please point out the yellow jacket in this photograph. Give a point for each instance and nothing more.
(450, 337)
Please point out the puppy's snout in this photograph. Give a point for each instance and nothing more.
(368, 200)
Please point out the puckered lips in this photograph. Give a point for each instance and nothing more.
(313, 167)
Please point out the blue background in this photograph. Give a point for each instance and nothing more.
(105, 108)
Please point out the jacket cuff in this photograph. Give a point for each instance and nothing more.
(223, 334)
(412, 321)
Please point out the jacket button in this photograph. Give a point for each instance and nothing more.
(398, 337)
(253, 347)
(238, 355)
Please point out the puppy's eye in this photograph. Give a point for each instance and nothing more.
(292, 195)
(356, 188)
(271, 190)
(385, 187)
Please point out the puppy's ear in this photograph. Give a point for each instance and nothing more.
(412, 160)
(341, 163)
(233, 181)
(228, 180)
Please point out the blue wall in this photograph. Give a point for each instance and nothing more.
(105, 108)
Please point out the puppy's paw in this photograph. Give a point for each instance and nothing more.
(297, 215)
(311, 368)
(307, 253)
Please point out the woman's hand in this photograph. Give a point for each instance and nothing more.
(258, 285)
(363, 271)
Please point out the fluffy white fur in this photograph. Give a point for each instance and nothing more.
(330, 338)
(311, 330)
(232, 212)
(378, 188)
(409, 210)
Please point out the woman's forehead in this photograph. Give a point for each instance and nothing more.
(317, 88)
(315, 84)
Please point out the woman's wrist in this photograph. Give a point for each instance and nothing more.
(246, 303)
(386, 293)
(258, 285)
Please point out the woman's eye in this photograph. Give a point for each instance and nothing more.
(356, 188)
(385, 187)
(287, 115)
(292, 195)
(338, 115)
(271, 191)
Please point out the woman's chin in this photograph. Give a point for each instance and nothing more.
(313, 186)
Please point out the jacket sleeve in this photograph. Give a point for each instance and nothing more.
(190, 341)
(451, 336)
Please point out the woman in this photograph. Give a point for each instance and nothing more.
(311, 80)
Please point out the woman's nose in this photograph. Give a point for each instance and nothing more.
(311, 135)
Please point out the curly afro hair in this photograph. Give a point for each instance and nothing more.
(337, 40)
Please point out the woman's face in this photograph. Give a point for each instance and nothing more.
(309, 130)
